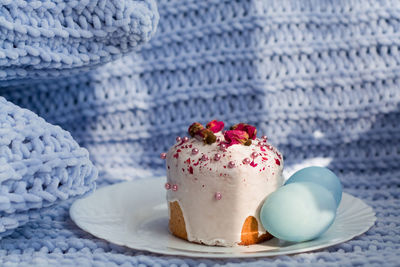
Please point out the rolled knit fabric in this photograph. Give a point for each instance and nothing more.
(51, 38)
(40, 165)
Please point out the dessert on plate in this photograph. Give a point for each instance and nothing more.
(217, 182)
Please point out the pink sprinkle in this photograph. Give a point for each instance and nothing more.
(195, 151)
(217, 157)
(175, 187)
(253, 164)
(178, 139)
(222, 147)
(264, 137)
(204, 158)
(163, 155)
(277, 162)
(254, 155)
(191, 170)
(218, 196)
(246, 161)
(168, 186)
(185, 139)
(231, 164)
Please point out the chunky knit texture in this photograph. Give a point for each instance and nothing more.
(320, 78)
(41, 165)
(50, 38)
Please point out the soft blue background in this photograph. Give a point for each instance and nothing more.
(319, 77)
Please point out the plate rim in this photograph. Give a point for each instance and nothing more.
(203, 254)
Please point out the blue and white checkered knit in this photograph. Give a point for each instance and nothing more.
(321, 78)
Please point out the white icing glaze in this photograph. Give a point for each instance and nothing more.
(243, 188)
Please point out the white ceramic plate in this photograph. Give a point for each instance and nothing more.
(135, 214)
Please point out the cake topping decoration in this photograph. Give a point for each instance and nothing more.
(249, 129)
(233, 137)
(253, 164)
(222, 147)
(167, 186)
(185, 139)
(246, 161)
(231, 164)
(215, 126)
(194, 128)
(195, 151)
(218, 196)
(254, 155)
(204, 158)
(163, 155)
(198, 131)
(178, 139)
(205, 135)
(217, 157)
(240, 133)
(175, 187)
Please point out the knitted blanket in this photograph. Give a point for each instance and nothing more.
(319, 77)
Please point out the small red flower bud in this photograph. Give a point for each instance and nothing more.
(215, 126)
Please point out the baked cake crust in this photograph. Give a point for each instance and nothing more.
(249, 234)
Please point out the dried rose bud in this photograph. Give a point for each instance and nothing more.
(248, 142)
(215, 126)
(205, 135)
(194, 128)
(233, 137)
(249, 129)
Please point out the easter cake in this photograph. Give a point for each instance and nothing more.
(217, 182)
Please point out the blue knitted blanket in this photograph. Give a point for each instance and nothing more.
(321, 78)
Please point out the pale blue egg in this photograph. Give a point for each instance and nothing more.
(298, 212)
(322, 176)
